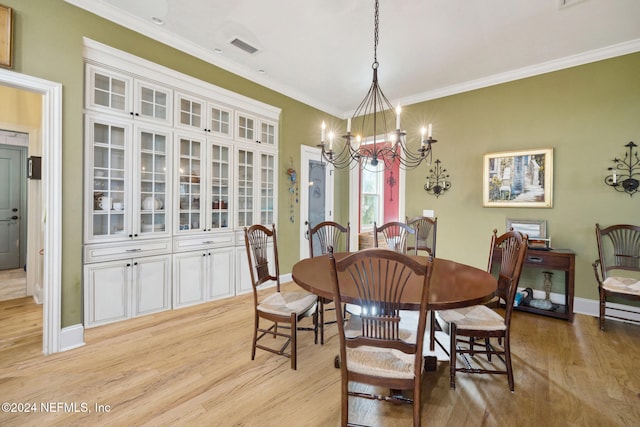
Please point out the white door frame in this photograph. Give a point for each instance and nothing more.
(52, 192)
(312, 153)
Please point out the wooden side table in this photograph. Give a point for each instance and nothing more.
(556, 259)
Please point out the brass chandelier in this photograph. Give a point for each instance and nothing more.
(375, 116)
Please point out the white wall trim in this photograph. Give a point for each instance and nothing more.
(285, 278)
(52, 191)
(613, 51)
(592, 308)
(71, 337)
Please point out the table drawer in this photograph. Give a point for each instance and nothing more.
(554, 262)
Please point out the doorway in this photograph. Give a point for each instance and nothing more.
(316, 193)
(51, 139)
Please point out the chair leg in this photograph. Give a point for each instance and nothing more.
(321, 321)
(255, 336)
(602, 309)
(454, 354)
(507, 361)
(417, 404)
(294, 341)
(432, 338)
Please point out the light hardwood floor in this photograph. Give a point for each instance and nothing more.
(192, 366)
(13, 284)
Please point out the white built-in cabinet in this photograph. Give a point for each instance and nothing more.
(171, 180)
(118, 290)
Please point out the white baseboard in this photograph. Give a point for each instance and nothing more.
(71, 337)
(591, 307)
(285, 278)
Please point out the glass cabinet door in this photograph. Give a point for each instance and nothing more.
(267, 133)
(219, 186)
(152, 182)
(189, 174)
(153, 102)
(109, 91)
(267, 188)
(108, 179)
(245, 188)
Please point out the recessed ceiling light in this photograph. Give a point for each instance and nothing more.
(217, 50)
(157, 21)
(261, 71)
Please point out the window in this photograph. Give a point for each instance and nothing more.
(372, 192)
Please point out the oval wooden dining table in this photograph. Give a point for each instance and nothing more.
(453, 285)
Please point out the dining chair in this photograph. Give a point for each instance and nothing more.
(617, 264)
(426, 234)
(321, 237)
(481, 323)
(426, 237)
(377, 347)
(393, 235)
(277, 307)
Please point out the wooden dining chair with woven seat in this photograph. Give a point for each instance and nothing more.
(427, 229)
(394, 235)
(376, 347)
(278, 307)
(321, 237)
(474, 326)
(426, 237)
(617, 270)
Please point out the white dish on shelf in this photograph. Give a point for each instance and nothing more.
(152, 227)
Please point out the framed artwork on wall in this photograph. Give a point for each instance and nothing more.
(521, 179)
(6, 36)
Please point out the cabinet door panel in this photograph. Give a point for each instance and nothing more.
(106, 292)
(189, 278)
(153, 187)
(220, 274)
(152, 285)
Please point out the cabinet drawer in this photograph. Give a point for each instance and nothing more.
(551, 262)
(182, 244)
(115, 251)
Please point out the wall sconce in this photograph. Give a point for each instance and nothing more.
(622, 179)
(437, 180)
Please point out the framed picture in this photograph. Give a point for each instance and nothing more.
(6, 36)
(535, 229)
(522, 179)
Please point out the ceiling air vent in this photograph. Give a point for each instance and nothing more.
(244, 46)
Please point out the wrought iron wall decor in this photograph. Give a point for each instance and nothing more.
(437, 182)
(624, 177)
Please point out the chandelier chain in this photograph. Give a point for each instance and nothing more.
(375, 35)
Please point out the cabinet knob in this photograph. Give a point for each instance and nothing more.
(129, 264)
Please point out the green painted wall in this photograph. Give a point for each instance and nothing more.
(586, 113)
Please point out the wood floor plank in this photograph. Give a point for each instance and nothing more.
(193, 366)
